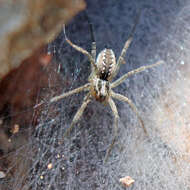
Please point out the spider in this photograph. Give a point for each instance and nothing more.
(100, 86)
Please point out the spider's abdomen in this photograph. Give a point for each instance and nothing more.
(106, 64)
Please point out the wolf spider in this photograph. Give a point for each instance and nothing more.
(99, 86)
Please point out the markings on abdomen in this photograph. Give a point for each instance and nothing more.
(107, 64)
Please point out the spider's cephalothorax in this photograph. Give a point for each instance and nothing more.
(100, 89)
(99, 86)
(106, 64)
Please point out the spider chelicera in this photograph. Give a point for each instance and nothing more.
(99, 86)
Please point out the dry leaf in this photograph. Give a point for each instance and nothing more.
(127, 181)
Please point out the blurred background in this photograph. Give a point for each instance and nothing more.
(31, 156)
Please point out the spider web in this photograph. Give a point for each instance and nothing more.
(159, 161)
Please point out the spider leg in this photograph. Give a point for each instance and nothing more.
(133, 107)
(116, 118)
(121, 58)
(83, 51)
(140, 69)
(93, 46)
(78, 115)
(71, 92)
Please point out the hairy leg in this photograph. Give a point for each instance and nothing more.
(76, 90)
(121, 58)
(116, 118)
(93, 51)
(56, 98)
(140, 69)
(78, 115)
(93, 46)
(133, 107)
(83, 51)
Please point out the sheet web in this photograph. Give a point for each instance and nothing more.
(159, 161)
